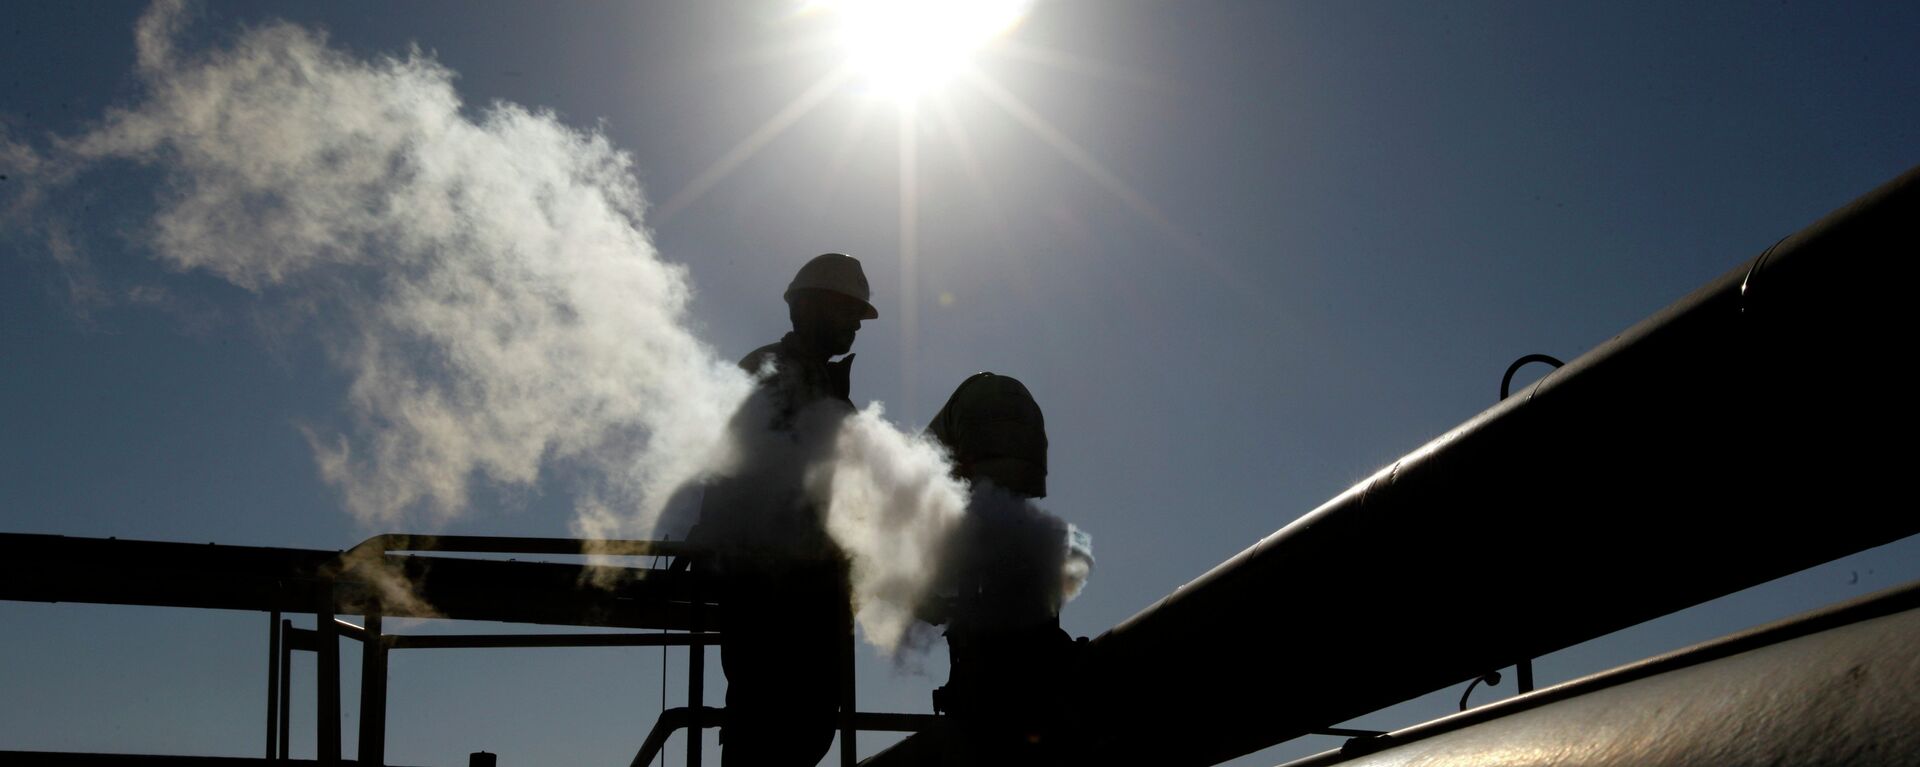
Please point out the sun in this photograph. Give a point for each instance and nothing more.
(906, 48)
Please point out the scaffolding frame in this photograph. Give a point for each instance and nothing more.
(397, 575)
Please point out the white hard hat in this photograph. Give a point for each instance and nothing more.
(835, 273)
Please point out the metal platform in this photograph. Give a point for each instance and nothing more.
(368, 578)
(373, 581)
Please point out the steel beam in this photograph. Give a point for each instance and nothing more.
(326, 717)
(273, 683)
(53, 568)
(373, 694)
(478, 641)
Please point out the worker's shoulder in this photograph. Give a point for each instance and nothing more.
(757, 360)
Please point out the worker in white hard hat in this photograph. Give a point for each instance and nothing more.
(826, 301)
(785, 604)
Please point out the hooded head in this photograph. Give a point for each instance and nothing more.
(996, 433)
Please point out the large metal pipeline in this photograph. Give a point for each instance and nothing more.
(1834, 686)
(1736, 436)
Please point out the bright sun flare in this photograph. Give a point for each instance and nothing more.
(903, 48)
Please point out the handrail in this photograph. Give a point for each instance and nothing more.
(680, 718)
(493, 544)
(671, 720)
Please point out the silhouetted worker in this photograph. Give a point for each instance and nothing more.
(1009, 570)
(785, 604)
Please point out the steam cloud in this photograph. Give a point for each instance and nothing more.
(499, 305)
(486, 283)
(893, 506)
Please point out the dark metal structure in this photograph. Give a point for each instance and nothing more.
(40, 568)
(374, 581)
(395, 576)
(1711, 447)
(1835, 686)
(1714, 446)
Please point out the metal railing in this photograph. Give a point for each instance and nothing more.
(284, 638)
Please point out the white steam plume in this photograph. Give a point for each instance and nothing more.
(486, 283)
(893, 506)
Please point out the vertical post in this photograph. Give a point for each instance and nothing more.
(327, 717)
(286, 688)
(1523, 671)
(373, 693)
(849, 749)
(273, 682)
(696, 671)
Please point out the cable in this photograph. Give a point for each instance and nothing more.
(1491, 678)
(1507, 380)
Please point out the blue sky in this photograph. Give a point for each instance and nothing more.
(1243, 254)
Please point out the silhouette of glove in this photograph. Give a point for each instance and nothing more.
(840, 377)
